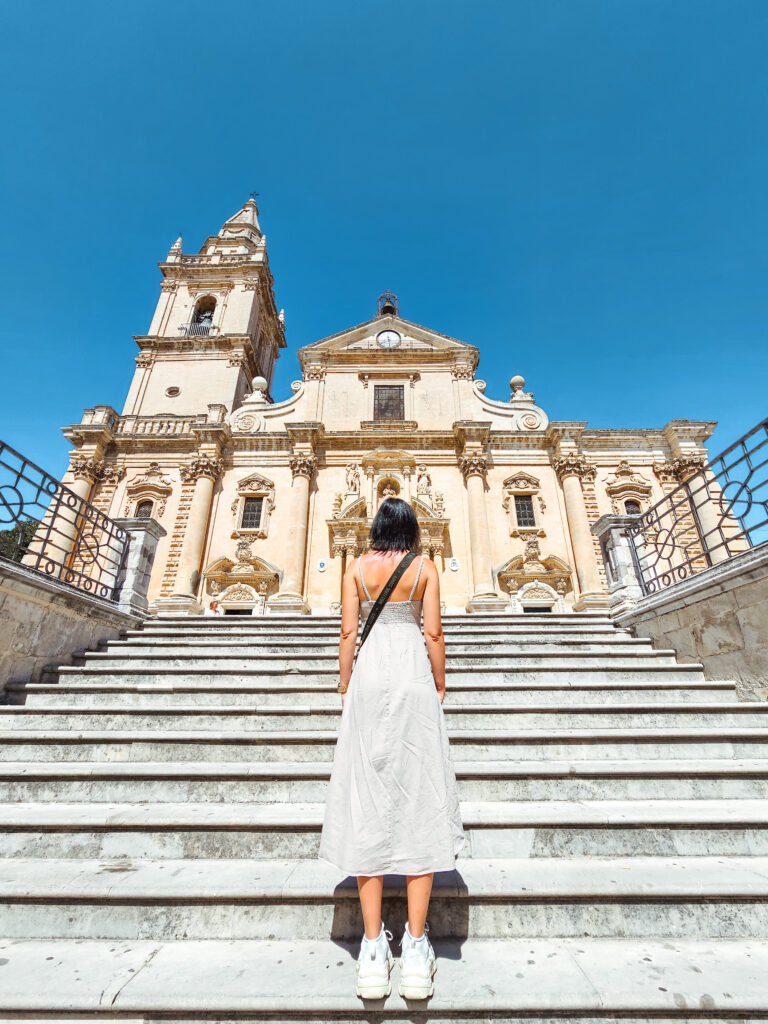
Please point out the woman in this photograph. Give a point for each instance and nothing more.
(392, 805)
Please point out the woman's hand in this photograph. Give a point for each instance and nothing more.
(440, 692)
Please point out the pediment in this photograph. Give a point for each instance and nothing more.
(361, 340)
(255, 482)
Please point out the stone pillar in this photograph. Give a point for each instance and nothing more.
(571, 469)
(624, 587)
(484, 597)
(291, 598)
(689, 470)
(204, 470)
(65, 513)
(407, 478)
(370, 474)
(134, 576)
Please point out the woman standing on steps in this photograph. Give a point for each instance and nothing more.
(392, 805)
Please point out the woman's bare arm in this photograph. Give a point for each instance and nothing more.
(433, 627)
(350, 612)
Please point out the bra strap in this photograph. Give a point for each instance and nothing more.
(362, 580)
(415, 582)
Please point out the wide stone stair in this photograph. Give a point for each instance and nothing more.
(162, 803)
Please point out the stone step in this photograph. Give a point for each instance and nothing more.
(303, 661)
(551, 980)
(459, 715)
(318, 744)
(286, 693)
(501, 646)
(268, 831)
(517, 671)
(306, 782)
(631, 897)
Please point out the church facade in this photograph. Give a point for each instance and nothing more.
(265, 501)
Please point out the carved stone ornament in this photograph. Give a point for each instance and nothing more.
(152, 486)
(338, 501)
(521, 574)
(201, 466)
(145, 359)
(521, 483)
(462, 371)
(110, 474)
(314, 373)
(473, 465)
(423, 483)
(303, 465)
(353, 478)
(688, 465)
(573, 464)
(83, 468)
(242, 584)
(624, 485)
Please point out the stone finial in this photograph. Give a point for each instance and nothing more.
(517, 383)
(174, 253)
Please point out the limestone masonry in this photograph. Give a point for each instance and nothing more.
(264, 502)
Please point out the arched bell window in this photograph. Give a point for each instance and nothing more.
(144, 509)
(202, 321)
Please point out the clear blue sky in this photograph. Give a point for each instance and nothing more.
(578, 187)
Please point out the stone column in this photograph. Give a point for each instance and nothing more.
(204, 469)
(291, 598)
(571, 469)
(370, 473)
(63, 515)
(484, 596)
(689, 471)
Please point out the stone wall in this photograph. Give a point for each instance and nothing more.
(44, 622)
(718, 617)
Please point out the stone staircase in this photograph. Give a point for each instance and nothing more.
(162, 803)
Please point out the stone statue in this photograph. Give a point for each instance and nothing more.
(353, 478)
(423, 481)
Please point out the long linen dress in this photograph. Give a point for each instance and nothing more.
(392, 805)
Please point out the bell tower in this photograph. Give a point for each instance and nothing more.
(215, 327)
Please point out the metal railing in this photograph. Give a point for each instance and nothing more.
(719, 511)
(47, 528)
(196, 330)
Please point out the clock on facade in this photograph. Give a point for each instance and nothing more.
(387, 339)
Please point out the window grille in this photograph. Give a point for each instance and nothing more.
(632, 508)
(524, 510)
(252, 513)
(388, 402)
(144, 510)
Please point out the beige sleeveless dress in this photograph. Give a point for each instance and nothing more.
(392, 805)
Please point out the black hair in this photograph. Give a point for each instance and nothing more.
(395, 527)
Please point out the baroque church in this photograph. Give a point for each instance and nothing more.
(264, 499)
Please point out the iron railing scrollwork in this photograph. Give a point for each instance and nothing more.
(717, 512)
(47, 528)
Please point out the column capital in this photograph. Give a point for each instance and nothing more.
(201, 465)
(303, 464)
(473, 464)
(677, 471)
(573, 464)
(84, 468)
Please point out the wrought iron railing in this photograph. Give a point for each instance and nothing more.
(46, 527)
(196, 330)
(719, 511)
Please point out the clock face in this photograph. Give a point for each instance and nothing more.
(388, 339)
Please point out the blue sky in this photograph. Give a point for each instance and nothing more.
(577, 187)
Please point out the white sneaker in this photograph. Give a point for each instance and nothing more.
(374, 962)
(417, 966)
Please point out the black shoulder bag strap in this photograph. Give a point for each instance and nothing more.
(384, 596)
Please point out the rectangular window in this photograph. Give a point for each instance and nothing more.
(388, 402)
(524, 510)
(251, 513)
